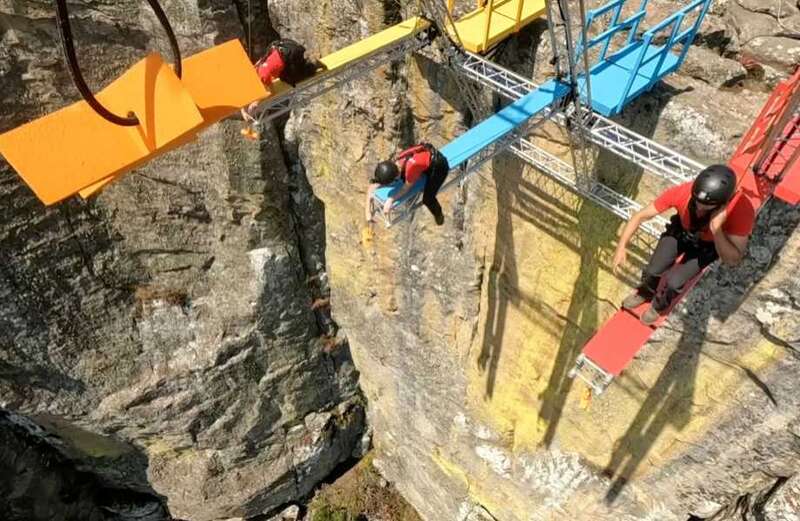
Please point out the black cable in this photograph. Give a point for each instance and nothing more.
(561, 11)
(173, 42)
(62, 20)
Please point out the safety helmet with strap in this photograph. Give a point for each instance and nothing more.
(714, 186)
(385, 173)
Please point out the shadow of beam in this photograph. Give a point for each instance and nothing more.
(667, 403)
(582, 316)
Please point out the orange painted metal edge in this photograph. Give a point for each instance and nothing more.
(221, 80)
(62, 152)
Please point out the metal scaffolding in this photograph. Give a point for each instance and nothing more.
(439, 13)
(654, 157)
(280, 104)
(598, 193)
(572, 66)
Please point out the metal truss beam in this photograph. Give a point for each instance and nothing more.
(600, 194)
(654, 157)
(276, 106)
(591, 373)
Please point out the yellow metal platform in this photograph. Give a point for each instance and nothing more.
(374, 43)
(361, 49)
(487, 26)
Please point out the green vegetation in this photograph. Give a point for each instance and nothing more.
(359, 495)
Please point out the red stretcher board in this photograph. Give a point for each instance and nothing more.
(617, 342)
(624, 335)
(621, 338)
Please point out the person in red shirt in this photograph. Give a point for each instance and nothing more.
(712, 221)
(285, 60)
(410, 165)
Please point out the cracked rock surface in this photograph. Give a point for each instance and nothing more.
(171, 314)
(162, 334)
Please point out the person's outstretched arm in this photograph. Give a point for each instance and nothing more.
(643, 215)
(368, 202)
(387, 206)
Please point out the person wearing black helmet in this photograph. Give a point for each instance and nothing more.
(409, 166)
(710, 223)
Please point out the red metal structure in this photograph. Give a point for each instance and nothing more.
(766, 164)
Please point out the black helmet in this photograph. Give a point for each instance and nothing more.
(385, 172)
(714, 186)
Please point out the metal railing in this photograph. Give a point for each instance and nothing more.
(654, 157)
(306, 91)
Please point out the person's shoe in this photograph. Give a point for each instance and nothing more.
(439, 218)
(650, 316)
(634, 300)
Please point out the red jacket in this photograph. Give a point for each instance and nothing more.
(740, 219)
(414, 162)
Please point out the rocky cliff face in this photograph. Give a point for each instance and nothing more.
(172, 314)
(44, 479)
(464, 334)
(165, 328)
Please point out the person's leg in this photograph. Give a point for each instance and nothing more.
(695, 259)
(434, 180)
(667, 250)
(247, 113)
(677, 277)
(312, 65)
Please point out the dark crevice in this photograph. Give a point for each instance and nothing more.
(37, 464)
(392, 12)
(748, 507)
(758, 382)
(789, 346)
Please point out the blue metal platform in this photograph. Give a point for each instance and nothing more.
(485, 133)
(619, 78)
(616, 79)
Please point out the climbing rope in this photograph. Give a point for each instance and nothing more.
(249, 30)
(62, 20)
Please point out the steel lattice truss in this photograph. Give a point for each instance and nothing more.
(513, 86)
(281, 104)
(439, 13)
(597, 192)
(644, 152)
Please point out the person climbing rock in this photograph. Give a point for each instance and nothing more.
(409, 166)
(711, 222)
(285, 59)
